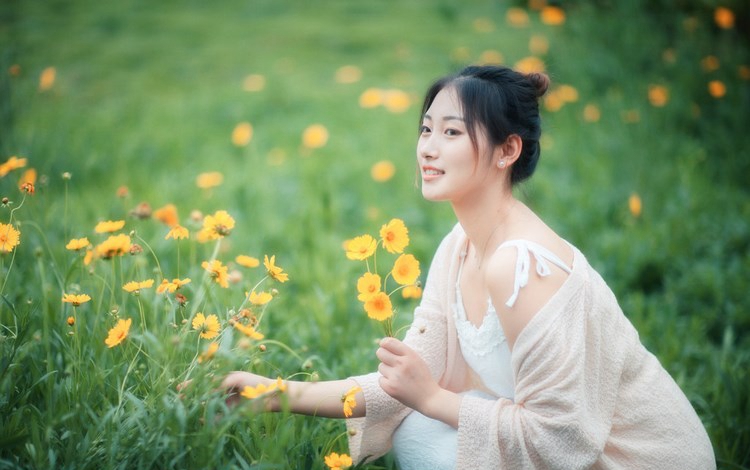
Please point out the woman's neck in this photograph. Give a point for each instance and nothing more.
(486, 223)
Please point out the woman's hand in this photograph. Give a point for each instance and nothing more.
(235, 382)
(405, 375)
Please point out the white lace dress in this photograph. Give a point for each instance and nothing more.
(424, 443)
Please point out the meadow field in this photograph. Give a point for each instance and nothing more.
(164, 166)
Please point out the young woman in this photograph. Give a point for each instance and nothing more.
(519, 355)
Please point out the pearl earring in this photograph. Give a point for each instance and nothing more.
(501, 164)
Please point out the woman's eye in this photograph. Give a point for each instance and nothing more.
(452, 132)
(424, 129)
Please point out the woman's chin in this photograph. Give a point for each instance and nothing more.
(432, 196)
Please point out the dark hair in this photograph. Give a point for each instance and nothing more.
(501, 102)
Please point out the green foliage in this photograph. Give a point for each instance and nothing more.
(146, 96)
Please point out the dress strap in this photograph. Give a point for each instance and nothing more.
(523, 264)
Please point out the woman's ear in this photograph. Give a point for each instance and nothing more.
(508, 152)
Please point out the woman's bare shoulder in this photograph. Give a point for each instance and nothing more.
(516, 287)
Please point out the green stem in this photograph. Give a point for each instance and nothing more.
(203, 288)
(156, 259)
(283, 346)
(125, 379)
(143, 316)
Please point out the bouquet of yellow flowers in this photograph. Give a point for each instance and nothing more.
(373, 293)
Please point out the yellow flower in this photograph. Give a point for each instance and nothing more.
(405, 270)
(383, 171)
(209, 352)
(76, 299)
(89, 257)
(10, 237)
(630, 115)
(529, 64)
(591, 113)
(204, 236)
(658, 95)
(167, 286)
(490, 57)
(115, 245)
(209, 180)
(207, 325)
(26, 186)
(395, 236)
(250, 392)
(247, 261)
(254, 82)
(552, 15)
(259, 298)
(315, 136)
(13, 163)
(371, 98)
(348, 399)
(461, 54)
(379, 307)
(118, 333)
(218, 272)
(348, 74)
(567, 93)
(248, 331)
(717, 89)
(724, 17)
(27, 181)
(135, 286)
(77, 244)
(280, 385)
(517, 17)
(178, 232)
(553, 102)
(218, 225)
(274, 271)
(367, 286)
(635, 205)
(338, 462)
(167, 215)
(47, 78)
(411, 292)
(396, 101)
(242, 134)
(360, 248)
(109, 226)
(710, 63)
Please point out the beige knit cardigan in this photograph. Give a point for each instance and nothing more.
(587, 393)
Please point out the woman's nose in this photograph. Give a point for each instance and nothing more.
(426, 148)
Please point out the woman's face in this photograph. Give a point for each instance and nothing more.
(450, 167)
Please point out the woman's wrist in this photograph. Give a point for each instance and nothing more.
(442, 405)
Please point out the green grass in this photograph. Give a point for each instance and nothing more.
(146, 96)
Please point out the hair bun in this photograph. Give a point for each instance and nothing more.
(540, 81)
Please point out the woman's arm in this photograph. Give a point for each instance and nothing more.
(323, 399)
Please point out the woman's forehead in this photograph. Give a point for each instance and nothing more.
(446, 103)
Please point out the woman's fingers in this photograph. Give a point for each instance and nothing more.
(386, 357)
(394, 346)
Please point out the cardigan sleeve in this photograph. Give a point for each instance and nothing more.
(370, 437)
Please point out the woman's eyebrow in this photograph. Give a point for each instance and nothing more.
(446, 118)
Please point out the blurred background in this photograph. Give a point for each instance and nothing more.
(300, 119)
